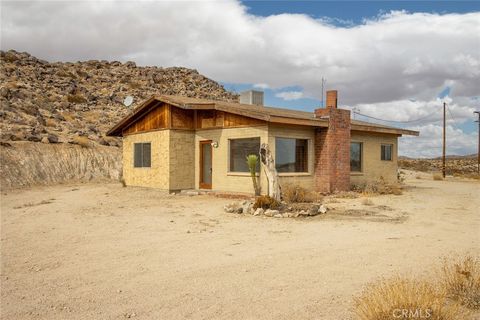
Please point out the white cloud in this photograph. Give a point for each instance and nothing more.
(379, 65)
(429, 143)
(289, 95)
(262, 86)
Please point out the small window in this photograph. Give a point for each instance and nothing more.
(386, 152)
(142, 155)
(239, 150)
(356, 156)
(291, 155)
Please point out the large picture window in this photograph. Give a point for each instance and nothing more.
(356, 156)
(142, 155)
(291, 155)
(239, 150)
(386, 152)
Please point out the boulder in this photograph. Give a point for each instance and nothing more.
(322, 209)
(233, 207)
(246, 206)
(271, 213)
(258, 212)
(52, 138)
(313, 211)
(303, 213)
(33, 138)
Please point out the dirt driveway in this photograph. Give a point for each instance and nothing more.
(107, 252)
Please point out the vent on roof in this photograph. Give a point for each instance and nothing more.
(252, 97)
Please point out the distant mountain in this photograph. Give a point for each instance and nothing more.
(65, 101)
(468, 156)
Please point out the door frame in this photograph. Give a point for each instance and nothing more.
(201, 184)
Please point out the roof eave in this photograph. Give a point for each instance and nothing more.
(367, 128)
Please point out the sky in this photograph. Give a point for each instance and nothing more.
(390, 60)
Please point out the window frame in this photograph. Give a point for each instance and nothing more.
(142, 153)
(382, 153)
(361, 157)
(229, 155)
(307, 158)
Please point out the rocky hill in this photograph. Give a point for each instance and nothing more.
(54, 116)
(77, 102)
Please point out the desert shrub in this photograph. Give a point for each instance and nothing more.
(437, 176)
(367, 202)
(76, 98)
(379, 186)
(82, 141)
(293, 193)
(266, 202)
(461, 279)
(347, 194)
(134, 85)
(401, 298)
(50, 123)
(252, 163)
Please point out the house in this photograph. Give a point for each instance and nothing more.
(175, 143)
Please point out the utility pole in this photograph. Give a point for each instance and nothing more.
(478, 150)
(444, 137)
(323, 89)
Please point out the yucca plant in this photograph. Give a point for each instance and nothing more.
(252, 161)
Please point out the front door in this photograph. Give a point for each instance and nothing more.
(206, 164)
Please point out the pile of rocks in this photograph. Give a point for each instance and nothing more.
(60, 101)
(247, 207)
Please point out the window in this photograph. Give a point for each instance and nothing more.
(291, 155)
(142, 155)
(356, 156)
(239, 150)
(386, 152)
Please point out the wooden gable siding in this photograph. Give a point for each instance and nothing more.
(166, 116)
(182, 119)
(207, 119)
(157, 118)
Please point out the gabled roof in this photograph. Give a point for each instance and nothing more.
(269, 114)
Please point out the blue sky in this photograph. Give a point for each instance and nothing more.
(356, 11)
(347, 14)
(395, 60)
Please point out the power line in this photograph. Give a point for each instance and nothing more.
(395, 121)
(453, 121)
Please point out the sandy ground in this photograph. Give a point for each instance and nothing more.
(107, 252)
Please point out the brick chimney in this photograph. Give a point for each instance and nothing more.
(332, 99)
(332, 148)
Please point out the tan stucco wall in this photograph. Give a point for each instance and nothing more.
(372, 166)
(176, 155)
(222, 179)
(182, 157)
(305, 180)
(157, 175)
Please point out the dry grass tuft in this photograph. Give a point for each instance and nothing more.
(296, 194)
(379, 186)
(76, 98)
(367, 202)
(401, 298)
(462, 280)
(266, 202)
(346, 195)
(437, 176)
(82, 141)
